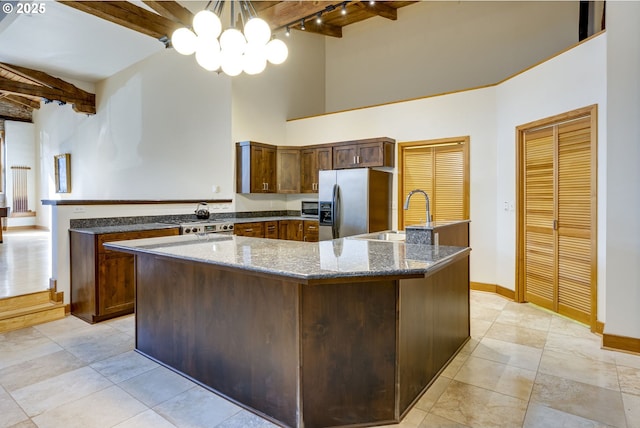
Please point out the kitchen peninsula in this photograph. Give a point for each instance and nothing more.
(335, 333)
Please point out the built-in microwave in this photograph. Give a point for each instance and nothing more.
(309, 209)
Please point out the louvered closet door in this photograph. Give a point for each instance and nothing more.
(449, 200)
(417, 167)
(559, 213)
(539, 213)
(574, 219)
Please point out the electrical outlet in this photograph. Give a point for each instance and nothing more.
(506, 205)
(79, 210)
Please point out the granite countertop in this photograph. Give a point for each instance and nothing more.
(123, 228)
(134, 227)
(436, 224)
(302, 260)
(254, 219)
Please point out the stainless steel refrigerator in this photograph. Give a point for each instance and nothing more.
(353, 201)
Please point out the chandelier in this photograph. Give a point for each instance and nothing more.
(233, 51)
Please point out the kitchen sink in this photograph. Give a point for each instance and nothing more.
(387, 235)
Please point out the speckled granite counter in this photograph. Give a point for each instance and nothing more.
(303, 260)
(373, 322)
(123, 228)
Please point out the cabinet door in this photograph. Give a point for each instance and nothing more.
(254, 230)
(288, 166)
(115, 288)
(324, 160)
(295, 230)
(269, 169)
(308, 171)
(271, 229)
(370, 154)
(116, 284)
(263, 169)
(345, 156)
(310, 231)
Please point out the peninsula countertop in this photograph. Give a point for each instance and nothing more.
(339, 258)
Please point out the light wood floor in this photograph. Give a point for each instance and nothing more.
(25, 262)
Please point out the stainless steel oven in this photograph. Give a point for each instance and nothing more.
(309, 209)
(202, 227)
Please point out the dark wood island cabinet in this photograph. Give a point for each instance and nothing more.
(329, 334)
(103, 280)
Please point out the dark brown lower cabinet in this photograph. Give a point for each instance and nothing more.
(254, 229)
(370, 346)
(103, 281)
(291, 230)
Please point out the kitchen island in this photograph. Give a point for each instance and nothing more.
(335, 333)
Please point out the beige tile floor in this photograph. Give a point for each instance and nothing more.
(523, 367)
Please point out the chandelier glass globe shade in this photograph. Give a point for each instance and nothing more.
(254, 60)
(257, 31)
(232, 41)
(231, 63)
(207, 23)
(277, 51)
(208, 53)
(184, 41)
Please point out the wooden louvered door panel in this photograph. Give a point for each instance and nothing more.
(574, 219)
(539, 212)
(449, 201)
(559, 216)
(418, 174)
(439, 168)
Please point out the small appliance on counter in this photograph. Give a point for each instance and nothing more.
(353, 202)
(309, 209)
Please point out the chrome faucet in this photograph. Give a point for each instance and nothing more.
(406, 203)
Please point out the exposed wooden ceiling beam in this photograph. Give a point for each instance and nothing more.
(173, 11)
(37, 76)
(128, 15)
(12, 112)
(20, 101)
(288, 12)
(380, 9)
(83, 103)
(324, 29)
(45, 86)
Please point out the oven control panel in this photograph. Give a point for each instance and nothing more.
(205, 227)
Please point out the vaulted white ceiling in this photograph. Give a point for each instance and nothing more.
(67, 43)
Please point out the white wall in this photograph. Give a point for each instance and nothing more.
(441, 46)
(489, 116)
(567, 82)
(623, 175)
(159, 126)
(21, 151)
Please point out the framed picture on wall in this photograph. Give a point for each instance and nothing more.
(62, 165)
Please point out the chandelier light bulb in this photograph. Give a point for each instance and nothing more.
(231, 63)
(207, 23)
(254, 60)
(277, 51)
(257, 31)
(208, 53)
(232, 41)
(184, 41)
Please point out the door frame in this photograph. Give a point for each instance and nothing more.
(402, 147)
(588, 111)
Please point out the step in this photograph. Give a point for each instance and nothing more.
(24, 301)
(25, 317)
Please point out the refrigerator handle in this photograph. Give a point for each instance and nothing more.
(334, 212)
